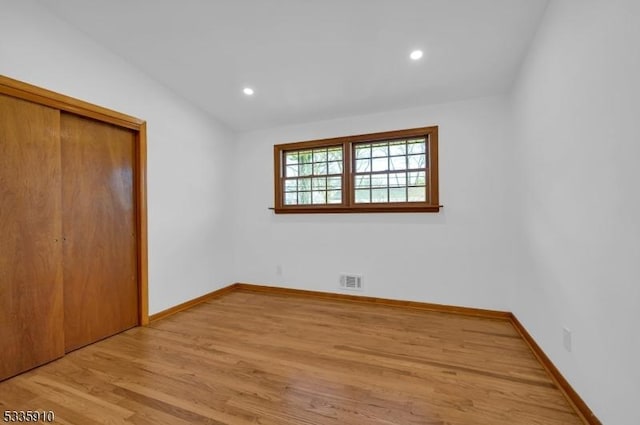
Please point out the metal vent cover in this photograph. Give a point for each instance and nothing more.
(351, 281)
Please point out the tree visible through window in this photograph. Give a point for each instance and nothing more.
(394, 171)
(313, 176)
(391, 171)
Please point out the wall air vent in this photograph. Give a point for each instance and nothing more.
(351, 281)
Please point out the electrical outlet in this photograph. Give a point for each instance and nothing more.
(566, 339)
(279, 270)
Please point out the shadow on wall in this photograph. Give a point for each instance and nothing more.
(395, 219)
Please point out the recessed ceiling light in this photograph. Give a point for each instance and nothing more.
(248, 91)
(416, 54)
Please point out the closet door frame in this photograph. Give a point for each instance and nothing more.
(20, 90)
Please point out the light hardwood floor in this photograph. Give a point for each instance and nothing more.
(251, 358)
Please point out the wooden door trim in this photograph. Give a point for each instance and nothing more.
(141, 222)
(35, 94)
(25, 91)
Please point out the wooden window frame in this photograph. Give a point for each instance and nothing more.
(348, 205)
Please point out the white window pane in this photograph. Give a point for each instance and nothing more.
(379, 195)
(398, 195)
(416, 146)
(416, 161)
(379, 180)
(379, 150)
(304, 184)
(334, 182)
(416, 178)
(305, 156)
(398, 162)
(363, 151)
(292, 158)
(304, 198)
(291, 171)
(306, 169)
(319, 155)
(319, 183)
(363, 196)
(363, 182)
(320, 168)
(363, 165)
(334, 154)
(397, 179)
(290, 198)
(290, 185)
(319, 197)
(397, 148)
(380, 164)
(335, 167)
(334, 197)
(417, 194)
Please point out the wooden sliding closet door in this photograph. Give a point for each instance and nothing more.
(100, 261)
(31, 321)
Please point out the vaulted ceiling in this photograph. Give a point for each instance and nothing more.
(313, 60)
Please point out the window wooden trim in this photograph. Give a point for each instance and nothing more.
(348, 204)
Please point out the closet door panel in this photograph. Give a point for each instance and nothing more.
(31, 294)
(100, 262)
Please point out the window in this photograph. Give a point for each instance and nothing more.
(395, 171)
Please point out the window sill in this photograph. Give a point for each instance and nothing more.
(358, 209)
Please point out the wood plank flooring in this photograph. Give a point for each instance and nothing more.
(254, 358)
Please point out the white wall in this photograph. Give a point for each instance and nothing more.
(547, 226)
(188, 152)
(462, 255)
(576, 109)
